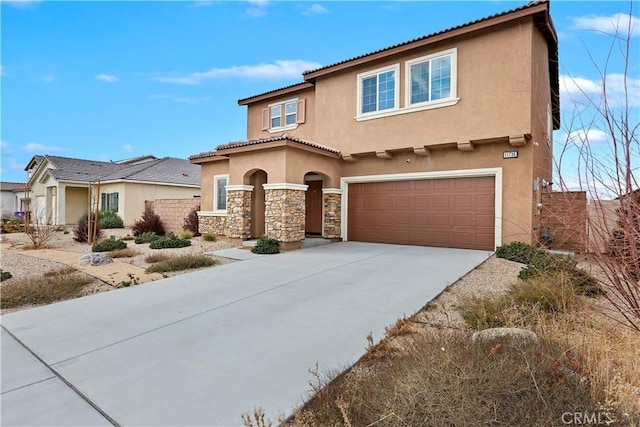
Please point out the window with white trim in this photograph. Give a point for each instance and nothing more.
(378, 90)
(431, 78)
(283, 115)
(220, 193)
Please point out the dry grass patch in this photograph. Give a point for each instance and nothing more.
(158, 257)
(124, 253)
(183, 262)
(54, 286)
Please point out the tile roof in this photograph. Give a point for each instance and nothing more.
(486, 18)
(544, 24)
(166, 170)
(293, 86)
(274, 139)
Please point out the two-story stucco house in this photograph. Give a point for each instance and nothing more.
(444, 140)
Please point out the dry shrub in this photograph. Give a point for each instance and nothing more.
(123, 253)
(56, 286)
(605, 353)
(442, 379)
(157, 257)
(150, 222)
(184, 262)
(67, 269)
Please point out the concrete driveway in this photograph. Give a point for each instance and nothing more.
(203, 348)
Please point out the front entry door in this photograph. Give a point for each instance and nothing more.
(313, 212)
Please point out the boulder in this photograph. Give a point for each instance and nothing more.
(95, 259)
(506, 337)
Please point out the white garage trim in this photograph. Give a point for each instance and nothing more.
(461, 173)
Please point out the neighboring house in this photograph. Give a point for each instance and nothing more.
(443, 140)
(13, 199)
(60, 185)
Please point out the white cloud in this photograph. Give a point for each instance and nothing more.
(279, 69)
(587, 136)
(258, 9)
(174, 98)
(48, 78)
(5, 147)
(315, 9)
(583, 91)
(21, 4)
(34, 147)
(618, 23)
(109, 78)
(128, 148)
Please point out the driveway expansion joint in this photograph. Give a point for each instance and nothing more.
(57, 374)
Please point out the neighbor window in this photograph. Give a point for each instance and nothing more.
(283, 115)
(431, 78)
(110, 202)
(378, 90)
(220, 192)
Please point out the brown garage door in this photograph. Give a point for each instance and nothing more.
(453, 212)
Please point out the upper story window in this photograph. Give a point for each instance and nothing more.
(431, 78)
(429, 82)
(378, 90)
(220, 193)
(283, 115)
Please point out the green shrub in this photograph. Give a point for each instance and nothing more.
(150, 221)
(170, 241)
(518, 252)
(110, 244)
(182, 263)
(109, 219)
(5, 275)
(266, 245)
(147, 237)
(188, 235)
(540, 262)
(209, 237)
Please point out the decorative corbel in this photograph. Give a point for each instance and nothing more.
(465, 146)
(421, 151)
(383, 155)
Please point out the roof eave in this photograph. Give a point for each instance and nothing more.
(275, 93)
(456, 32)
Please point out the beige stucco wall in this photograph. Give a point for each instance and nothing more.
(75, 204)
(133, 195)
(207, 172)
(493, 86)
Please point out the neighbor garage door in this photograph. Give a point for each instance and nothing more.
(452, 212)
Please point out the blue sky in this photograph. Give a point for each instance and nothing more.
(114, 80)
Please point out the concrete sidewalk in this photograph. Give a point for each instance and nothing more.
(203, 348)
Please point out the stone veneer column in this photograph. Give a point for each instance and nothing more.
(332, 200)
(212, 223)
(285, 211)
(239, 211)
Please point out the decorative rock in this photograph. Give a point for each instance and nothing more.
(507, 337)
(95, 259)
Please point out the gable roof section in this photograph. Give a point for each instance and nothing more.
(12, 186)
(284, 137)
(539, 10)
(275, 92)
(167, 170)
